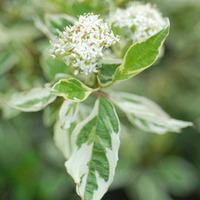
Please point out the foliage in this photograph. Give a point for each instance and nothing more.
(82, 109)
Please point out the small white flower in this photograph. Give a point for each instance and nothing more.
(143, 20)
(83, 44)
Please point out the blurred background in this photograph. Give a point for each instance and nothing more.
(151, 167)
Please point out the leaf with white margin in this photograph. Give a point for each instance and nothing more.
(71, 89)
(64, 127)
(95, 154)
(70, 114)
(147, 115)
(33, 100)
(141, 56)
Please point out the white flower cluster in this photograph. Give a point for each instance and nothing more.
(143, 20)
(83, 44)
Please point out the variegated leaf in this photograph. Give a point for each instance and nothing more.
(147, 115)
(64, 127)
(141, 55)
(34, 100)
(95, 154)
(71, 89)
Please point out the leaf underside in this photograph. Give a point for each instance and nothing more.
(33, 100)
(146, 115)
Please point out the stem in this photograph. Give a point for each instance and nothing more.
(99, 94)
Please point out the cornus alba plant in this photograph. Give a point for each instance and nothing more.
(87, 127)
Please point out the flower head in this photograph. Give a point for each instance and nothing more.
(82, 45)
(143, 20)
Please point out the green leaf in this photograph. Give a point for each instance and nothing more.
(71, 89)
(53, 24)
(50, 114)
(142, 55)
(33, 100)
(106, 74)
(178, 175)
(148, 188)
(147, 115)
(53, 66)
(7, 60)
(95, 151)
(57, 22)
(6, 111)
